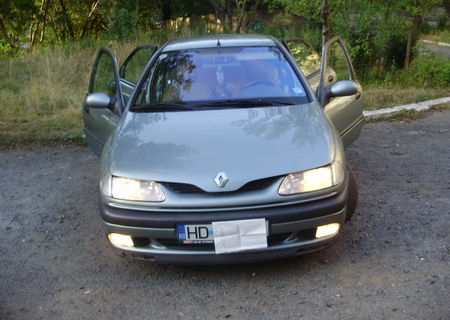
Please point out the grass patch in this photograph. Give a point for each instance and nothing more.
(410, 115)
(441, 107)
(428, 78)
(441, 36)
(41, 95)
(404, 115)
(378, 98)
(46, 141)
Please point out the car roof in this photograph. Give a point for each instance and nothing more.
(220, 40)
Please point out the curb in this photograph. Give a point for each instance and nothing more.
(442, 44)
(419, 106)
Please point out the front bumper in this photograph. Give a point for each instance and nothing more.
(291, 230)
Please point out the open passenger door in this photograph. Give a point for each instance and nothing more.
(104, 102)
(339, 91)
(132, 68)
(109, 90)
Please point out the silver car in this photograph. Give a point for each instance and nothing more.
(224, 148)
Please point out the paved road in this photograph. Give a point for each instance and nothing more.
(393, 262)
(440, 50)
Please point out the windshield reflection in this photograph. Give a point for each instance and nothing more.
(219, 74)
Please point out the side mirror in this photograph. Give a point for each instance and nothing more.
(342, 88)
(97, 100)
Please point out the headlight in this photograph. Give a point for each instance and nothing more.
(312, 180)
(132, 189)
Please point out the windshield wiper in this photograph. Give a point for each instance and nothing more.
(162, 106)
(245, 103)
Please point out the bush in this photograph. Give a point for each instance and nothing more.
(424, 72)
(442, 23)
(256, 25)
(431, 71)
(123, 26)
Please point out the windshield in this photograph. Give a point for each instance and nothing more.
(205, 77)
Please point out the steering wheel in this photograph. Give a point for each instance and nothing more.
(259, 82)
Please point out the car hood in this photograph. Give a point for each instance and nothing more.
(246, 143)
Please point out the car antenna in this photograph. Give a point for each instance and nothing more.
(218, 43)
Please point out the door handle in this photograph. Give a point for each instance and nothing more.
(358, 95)
(330, 78)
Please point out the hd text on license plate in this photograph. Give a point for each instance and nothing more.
(195, 233)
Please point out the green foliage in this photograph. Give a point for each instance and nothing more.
(281, 25)
(427, 72)
(442, 23)
(430, 71)
(15, 19)
(6, 50)
(376, 31)
(123, 26)
(306, 8)
(256, 25)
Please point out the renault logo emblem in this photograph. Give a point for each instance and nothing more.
(221, 179)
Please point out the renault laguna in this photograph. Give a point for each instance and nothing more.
(224, 148)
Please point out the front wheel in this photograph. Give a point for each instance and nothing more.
(352, 199)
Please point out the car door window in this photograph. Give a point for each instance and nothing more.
(135, 63)
(306, 56)
(103, 77)
(338, 66)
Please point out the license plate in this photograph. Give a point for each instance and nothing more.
(195, 233)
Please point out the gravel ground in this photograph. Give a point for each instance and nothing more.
(393, 261)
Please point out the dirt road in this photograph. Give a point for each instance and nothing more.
(393, 261)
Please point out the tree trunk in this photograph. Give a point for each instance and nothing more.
(68, 22)
(412, 39)
(4, 31)
(166, 10)
(88, 19)
(229, 15)
(325, 14)
(446, 4)
(44, 19)
(241, 7)
(224, 12)
(33, 30)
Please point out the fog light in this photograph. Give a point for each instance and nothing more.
(327, 230)
(120, 240)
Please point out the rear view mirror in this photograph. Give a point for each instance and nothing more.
(97, 100)
(342, 88)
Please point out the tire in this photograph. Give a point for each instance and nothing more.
(352, 199)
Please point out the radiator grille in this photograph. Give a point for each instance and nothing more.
(254, 185)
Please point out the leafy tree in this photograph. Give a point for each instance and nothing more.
(379, 31)
(123, 25)
(14, 20)
(416, 9)
(231, 12)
